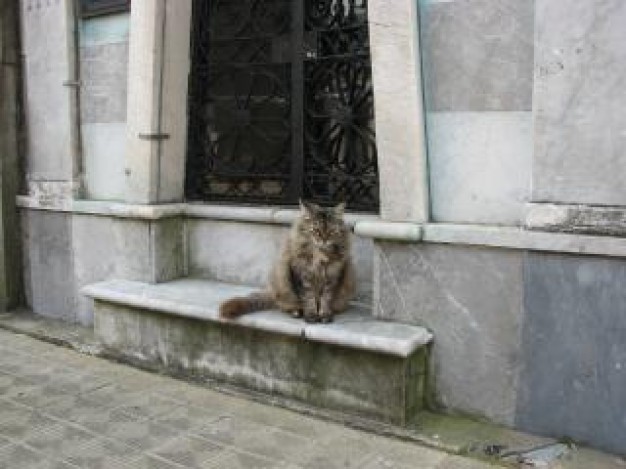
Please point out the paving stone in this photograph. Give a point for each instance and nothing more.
(102, 454)
(59, 440)
(18, 456)
(190, 451)
(63, 410)
(148, 406)
(23, 422)
(72, 408)
(239, 460)
(142, 434)
(151, 462)
(187, 418)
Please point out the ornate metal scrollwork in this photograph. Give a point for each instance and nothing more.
(281, 104)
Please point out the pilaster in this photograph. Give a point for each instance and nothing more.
(157, 96)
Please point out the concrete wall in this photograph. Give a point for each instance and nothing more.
(478, 82)
(64, 252)
(527, 339)
(104, 76)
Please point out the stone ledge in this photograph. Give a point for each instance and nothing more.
(267, 215)
(368, 226)
(199, 299)
(508, 237)
(570, 218)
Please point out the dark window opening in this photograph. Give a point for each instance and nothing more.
(281, 103)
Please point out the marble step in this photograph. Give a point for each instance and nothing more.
(356, 364)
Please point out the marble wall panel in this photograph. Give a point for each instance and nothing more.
(104, 76)
(480, 166)
(471, 298)
(574, 349)
(477, 55)
(580, 97)
(49, 103)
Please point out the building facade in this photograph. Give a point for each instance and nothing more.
(500, 224)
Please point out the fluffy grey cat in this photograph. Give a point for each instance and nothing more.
(314, 276)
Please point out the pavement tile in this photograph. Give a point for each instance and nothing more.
(102, 453)
(286, 420)
(142, 434)
(148, 406)
(277, 445)
(113, 395)
(17, 456)
(105, 421)
(186, 417)
(72, 408)
(239, 460)
(151, 462)
(230, 430)
(190, 452)
(23, 422)
(10, 411)
(59, 440)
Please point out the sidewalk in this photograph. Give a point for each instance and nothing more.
(60, 409)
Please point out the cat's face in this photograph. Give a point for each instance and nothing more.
(324, 227)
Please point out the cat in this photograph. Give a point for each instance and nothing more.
(314, 275)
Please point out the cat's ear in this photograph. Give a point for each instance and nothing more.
(308, 209)
(339, 209)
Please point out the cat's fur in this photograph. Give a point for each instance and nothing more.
(314, 275)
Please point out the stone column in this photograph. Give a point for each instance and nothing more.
(10, 262)
(399, 110)
(157, 98)
(53, 169)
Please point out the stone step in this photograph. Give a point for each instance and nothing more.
(356, 364)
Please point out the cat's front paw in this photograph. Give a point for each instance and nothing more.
(311, 318)
(326, 319)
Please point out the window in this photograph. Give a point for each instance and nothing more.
(281, 103)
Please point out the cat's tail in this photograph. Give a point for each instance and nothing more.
(235, 307)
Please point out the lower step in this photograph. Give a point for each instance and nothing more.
(357, 364)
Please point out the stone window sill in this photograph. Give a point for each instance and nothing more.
(368, 226)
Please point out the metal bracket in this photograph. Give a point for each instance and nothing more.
(73, 83)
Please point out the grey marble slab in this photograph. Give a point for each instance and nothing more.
(478, 55)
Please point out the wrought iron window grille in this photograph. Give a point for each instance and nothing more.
(281, 103)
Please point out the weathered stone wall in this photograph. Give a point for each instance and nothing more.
(478, 83)
(528, 339)
(63, 252)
